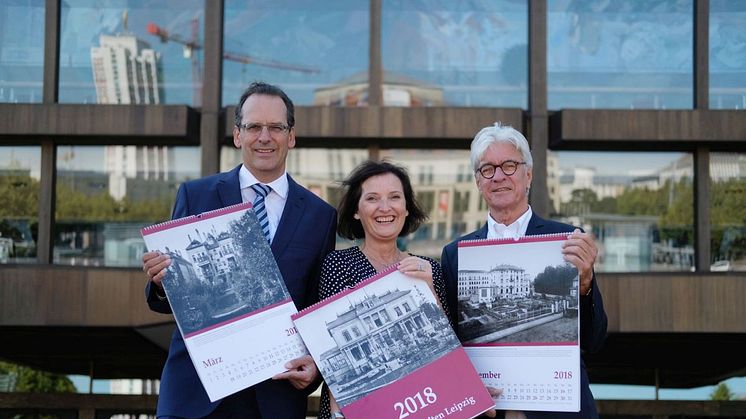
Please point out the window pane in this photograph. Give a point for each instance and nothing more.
(449, 53)
(316, 51)
(639, 206)
(620, 54)
(131, 51)
(106, 194)
(727, 211)
(444, 187)
(21, 51)
(19, 189)
(727, 54)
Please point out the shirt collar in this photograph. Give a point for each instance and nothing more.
(279, 185)
(517, 229)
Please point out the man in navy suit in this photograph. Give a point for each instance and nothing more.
(302, 231)
(503, 165)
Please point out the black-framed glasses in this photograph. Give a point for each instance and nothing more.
(509, 167)
(255, 129)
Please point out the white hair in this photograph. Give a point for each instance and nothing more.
(499, 133)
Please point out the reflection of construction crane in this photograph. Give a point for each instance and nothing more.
(190, 45)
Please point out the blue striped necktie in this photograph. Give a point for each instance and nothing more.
(259, 209)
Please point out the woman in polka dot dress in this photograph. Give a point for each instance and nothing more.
(378, 207)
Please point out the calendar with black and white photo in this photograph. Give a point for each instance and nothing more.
(386, 350)
(518, 320)
(228, 297)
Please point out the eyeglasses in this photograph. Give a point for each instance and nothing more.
(255, 129)
(508, 167)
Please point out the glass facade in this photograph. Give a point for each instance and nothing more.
(634, 54)
(728, 211)
(639, 206)
(727, 54)
(441, 53)
(601, 54)
(106, 194)
(316, 51)
(19, 189)
(131, 52)
(21, 51)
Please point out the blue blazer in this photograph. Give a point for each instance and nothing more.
(592, 315)
(306, 233)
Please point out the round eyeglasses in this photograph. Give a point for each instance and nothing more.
(508, 167)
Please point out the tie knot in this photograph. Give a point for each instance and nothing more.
(261, 190)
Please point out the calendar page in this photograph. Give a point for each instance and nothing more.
(228, 297)
(519, 320)
(386, 350)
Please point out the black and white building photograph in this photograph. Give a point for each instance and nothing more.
(517, 291)
(221, 268)
(376, 335)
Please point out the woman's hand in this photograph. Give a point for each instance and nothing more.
(421, 269)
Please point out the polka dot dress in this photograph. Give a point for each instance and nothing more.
(346, 268)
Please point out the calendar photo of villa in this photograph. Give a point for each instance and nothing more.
(376, 335)
(512, 292)
(221, 268)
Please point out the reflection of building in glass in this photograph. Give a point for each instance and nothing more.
(127, 71)
(127, 164)
(502, 281)
(365, 333)
(212, 256)
(603, 186)
(398, 90)
(726, 166)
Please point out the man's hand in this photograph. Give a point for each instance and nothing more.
(301, 372)
(154, 265)
(494, 393)
(580, 250)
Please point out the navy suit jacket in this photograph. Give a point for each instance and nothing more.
(592, 315)
(306, 233)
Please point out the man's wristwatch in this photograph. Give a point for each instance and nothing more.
(338, 415)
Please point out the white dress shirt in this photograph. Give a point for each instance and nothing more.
(275, 200)
(517, 229)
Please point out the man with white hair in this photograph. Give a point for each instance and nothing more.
(503, 169)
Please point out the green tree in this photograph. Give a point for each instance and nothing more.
(20, 196)
(29, 380)
(722, 392)
(581, 201)
(556, 280)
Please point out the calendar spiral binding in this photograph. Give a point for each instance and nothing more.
(346, 291)
(510, 240)
(191, 218)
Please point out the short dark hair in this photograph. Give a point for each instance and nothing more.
(262, 88)
(350, 228)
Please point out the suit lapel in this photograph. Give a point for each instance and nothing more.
(229, 188)
(479, 234)
(535, 225)
(290, 219)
